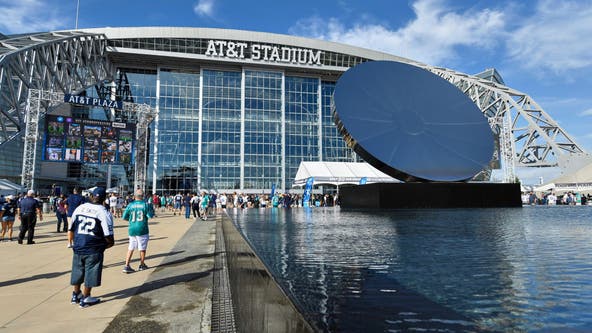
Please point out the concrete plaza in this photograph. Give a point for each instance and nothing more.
(173, 295)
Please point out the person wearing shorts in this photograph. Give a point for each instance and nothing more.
(137, 214)
(7, 214)
(90, 231)
(177, 202)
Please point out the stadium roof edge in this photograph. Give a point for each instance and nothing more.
(244, 35)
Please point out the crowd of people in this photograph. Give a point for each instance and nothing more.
(204, 204)
(551, 199)
(88, 221)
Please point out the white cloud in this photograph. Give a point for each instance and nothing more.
(30, 16)
(555, 37)
(586, 113)
(431, 37)
(204, 8)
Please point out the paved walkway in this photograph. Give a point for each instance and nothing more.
(173, 295)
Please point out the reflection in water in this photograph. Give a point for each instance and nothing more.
(521, 269)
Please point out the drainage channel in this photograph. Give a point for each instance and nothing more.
(222, 312)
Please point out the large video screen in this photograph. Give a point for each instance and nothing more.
(89, 141)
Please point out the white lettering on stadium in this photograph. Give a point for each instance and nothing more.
(262, 52)
(84, 100)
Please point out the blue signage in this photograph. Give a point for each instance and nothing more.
(363, 180)
(93, 101)
(307, 191)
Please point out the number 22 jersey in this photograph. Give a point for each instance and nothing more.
(91, 223)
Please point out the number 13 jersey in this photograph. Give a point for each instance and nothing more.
(91, 223)
(138, 213)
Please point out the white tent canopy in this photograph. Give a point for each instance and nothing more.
(7, 187)
(579, 180)
(560, 188)
(339, 173)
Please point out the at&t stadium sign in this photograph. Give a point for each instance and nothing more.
(263, 52)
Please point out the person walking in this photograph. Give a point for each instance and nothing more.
(195, 205)
(61, 212)
(137, 213)
(177, 203)
(204, 202)
(91, 232)
(187, 205)
(27, 211)
(74, 200)
(7, 214)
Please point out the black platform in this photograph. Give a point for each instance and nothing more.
(431, 195)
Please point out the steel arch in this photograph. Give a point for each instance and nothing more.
(66, 62)
(528, 135)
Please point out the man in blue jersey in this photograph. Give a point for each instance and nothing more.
(90, 230)
(137, 213)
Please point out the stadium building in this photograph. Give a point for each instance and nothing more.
(230, 110)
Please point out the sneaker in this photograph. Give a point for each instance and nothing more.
(142, 267)
(127, 269)
(69, 245)
(76, 297)
(88, 301)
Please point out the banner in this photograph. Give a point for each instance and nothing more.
(307, 191)
(272, 190)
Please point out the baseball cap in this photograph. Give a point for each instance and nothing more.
(30, 192)
(99, 192)
(10, 197)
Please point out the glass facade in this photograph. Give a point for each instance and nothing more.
(334, 148)
(235, 130)
(220, 130)
(263, 129)
(176, 131)
(302, 122)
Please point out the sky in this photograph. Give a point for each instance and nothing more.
(540, 47)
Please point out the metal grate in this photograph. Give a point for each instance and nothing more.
(222, 312)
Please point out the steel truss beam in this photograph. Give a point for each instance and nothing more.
(63, 62)
(40, 101)
(528, 135)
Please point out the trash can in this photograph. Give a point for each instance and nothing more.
(46, 207)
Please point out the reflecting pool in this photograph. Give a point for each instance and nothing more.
(451, 270)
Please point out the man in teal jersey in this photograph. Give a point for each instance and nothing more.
(137, 213)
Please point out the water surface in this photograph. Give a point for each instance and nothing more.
(451, 270)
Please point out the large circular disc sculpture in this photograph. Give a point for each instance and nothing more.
(410, 123)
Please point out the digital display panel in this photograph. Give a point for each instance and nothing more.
(89, 141)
